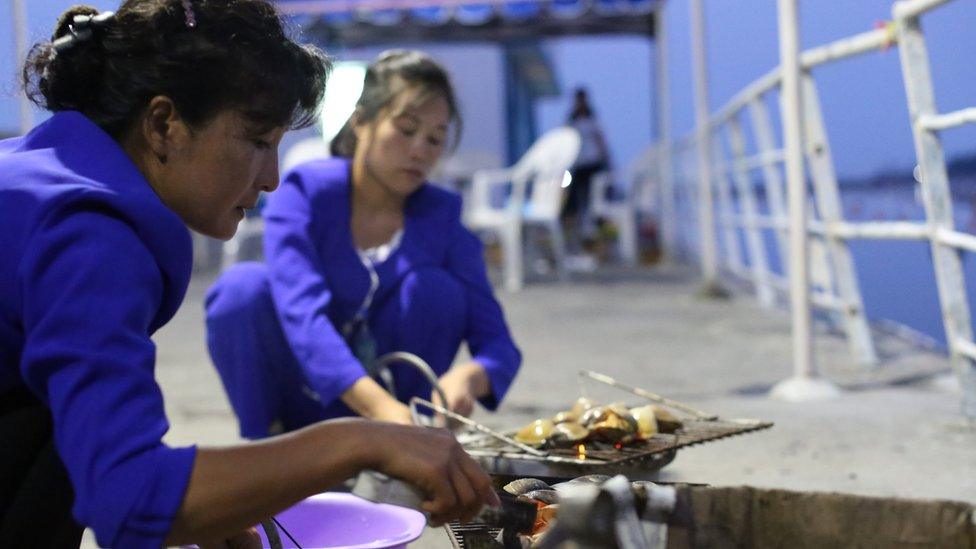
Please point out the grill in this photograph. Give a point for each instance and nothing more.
(480, 536)
(471, 536)
(499, 453)
(636, 461)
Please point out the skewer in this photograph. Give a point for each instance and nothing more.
(603, 378)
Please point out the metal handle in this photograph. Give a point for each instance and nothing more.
(274, 540)
(471, 423)
(605, 379)
(383, 365)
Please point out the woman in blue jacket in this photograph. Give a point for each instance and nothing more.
(363, 258)
(147, 138)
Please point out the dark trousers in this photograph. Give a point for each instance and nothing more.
(578, 201)
(425, 314)
(35, 493)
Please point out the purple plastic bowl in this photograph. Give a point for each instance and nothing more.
(339, 520)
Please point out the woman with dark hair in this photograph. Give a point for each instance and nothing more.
(167, 114)
(364, 258)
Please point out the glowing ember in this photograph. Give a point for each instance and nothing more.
(581, 451)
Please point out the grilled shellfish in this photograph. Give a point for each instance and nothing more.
(535, 433)
(525, 485)
(646, 421)
(568, 434)
(581, 405)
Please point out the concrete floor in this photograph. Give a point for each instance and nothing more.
(895, 431)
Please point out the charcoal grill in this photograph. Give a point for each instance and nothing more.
(466, 536)
(500, 453)
(474, 536)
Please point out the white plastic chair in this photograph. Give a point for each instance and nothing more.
(543, 167)
(456, 171)
(640, 196)
(305, 150)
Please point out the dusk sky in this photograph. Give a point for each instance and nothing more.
(864, 100)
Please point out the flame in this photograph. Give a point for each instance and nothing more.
(581, 451)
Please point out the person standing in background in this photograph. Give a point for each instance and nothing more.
(594, 157)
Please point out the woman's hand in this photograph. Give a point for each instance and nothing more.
(454, 485)
(463, 385)
(232, 488)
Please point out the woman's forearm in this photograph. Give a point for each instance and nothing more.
(235, 488)
(368, 399)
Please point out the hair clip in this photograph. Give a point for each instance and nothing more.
(81, 30)
(191, 18)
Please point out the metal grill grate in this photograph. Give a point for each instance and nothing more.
(693, 432)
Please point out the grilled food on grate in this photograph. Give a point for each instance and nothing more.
(588, 422)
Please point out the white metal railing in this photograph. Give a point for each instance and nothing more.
(735, 224)
(21, 45)
(945, 241)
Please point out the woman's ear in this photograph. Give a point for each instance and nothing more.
(163, 129)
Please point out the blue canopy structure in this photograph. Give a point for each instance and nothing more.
(374, 22)
(516, 25)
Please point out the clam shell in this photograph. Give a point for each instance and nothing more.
(619, 408)
(666, 421)
(581, 405)
(563, 417)
(592, 479)
(545, 496)
(594, 415)
(585, 479)
(614, 428)
(567, 434)
(646, 421)
(525, 485)
(535, 433)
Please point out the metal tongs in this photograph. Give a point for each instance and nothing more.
(417, 401)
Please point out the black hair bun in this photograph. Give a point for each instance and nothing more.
(236, 55)
(68, 80)
(61, 29)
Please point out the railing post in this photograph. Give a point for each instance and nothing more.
(804, 385)
(664, 150)
(706, 207)
(750, 215)
(682, 163)
(20, 47)
(727, 218)
(937, 197)
(829, 205)
(772, 177)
